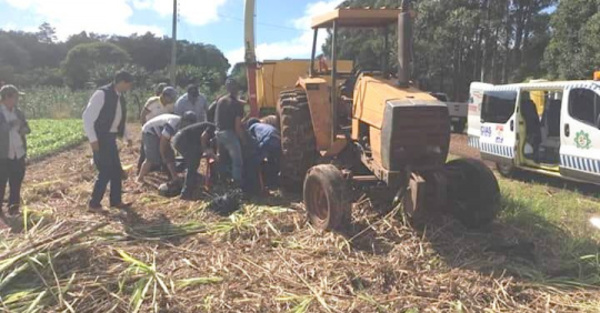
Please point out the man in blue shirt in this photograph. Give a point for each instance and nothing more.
(193, 101)
(268, 143)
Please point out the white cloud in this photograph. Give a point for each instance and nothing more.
(195, 12)
(73, 16)
(298, 47)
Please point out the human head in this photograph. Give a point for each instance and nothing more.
(9, 96)
(187, 119)
(168, 95)
(159, 89)
(123, 81)
(253, 121)
(193, 92)
(232, 86)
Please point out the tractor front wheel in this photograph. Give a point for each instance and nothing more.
(326, 198)
(473, 192)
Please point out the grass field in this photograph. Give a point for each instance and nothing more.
(167, 255)
(49, 136)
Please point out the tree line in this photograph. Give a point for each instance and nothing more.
(39, 59)
(460, 41)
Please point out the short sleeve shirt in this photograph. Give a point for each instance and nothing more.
(155, 108)
(165, 125)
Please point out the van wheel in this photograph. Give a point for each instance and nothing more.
(473, 192)
(505, 169)
(326, 197)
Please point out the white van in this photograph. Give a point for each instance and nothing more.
(546, 127)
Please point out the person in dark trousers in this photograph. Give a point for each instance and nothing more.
(13, 147)
(192, 142)
(268, 142)
(104, 119)
(230, 132)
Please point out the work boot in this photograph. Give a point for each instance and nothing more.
(13, 209)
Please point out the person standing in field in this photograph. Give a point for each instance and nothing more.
(155, 106)
(230, 132)
(13, 147)
(193, 101)
(104, 119)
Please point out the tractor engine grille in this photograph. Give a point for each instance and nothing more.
(415, 133)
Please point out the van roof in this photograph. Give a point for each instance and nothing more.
(542, 85)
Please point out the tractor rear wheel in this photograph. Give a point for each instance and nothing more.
(473, 192)
(298, 145)
(326, 198)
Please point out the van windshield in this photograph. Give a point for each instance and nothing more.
(498, 106)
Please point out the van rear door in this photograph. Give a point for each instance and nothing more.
(474, 112)
(498, 131)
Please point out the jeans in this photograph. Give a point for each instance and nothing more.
(109, 168)
(229, 141)
(13, 172)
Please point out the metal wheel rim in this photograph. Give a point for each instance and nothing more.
(318, 201)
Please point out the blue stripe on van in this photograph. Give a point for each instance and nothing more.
(580, 164)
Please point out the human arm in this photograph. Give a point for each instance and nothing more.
(90, 115)
(24, 125)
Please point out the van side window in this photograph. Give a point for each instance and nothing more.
(584, 105)
(498, 106)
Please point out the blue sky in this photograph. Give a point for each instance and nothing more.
(282, 27)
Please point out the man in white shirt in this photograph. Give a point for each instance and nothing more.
(193, 101)
(104, 119)
(156, 137)
(13, 147)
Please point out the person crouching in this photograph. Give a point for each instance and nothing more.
(193, 142)
(156, 137)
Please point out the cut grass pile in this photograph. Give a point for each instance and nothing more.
(50, 136)
(173, 256)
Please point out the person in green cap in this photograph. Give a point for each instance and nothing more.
(13, 147)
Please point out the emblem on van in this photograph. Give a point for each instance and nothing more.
(582, 140)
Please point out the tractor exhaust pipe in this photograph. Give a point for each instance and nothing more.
(404, 45)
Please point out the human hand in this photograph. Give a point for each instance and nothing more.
(95, 146)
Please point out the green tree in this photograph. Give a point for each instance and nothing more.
(574, 50)
(459, 41)
(83, 58)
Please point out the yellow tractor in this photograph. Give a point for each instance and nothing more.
(375, 129)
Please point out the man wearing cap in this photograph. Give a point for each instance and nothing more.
(104, 119)
(156, 137)
(13, 147)
(155, 106)
(162, 104)
(230, 132)
(193, 101)
(159, 88)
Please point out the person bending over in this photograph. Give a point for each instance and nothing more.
(156, 137)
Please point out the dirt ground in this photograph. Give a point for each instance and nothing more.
(268, 259)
